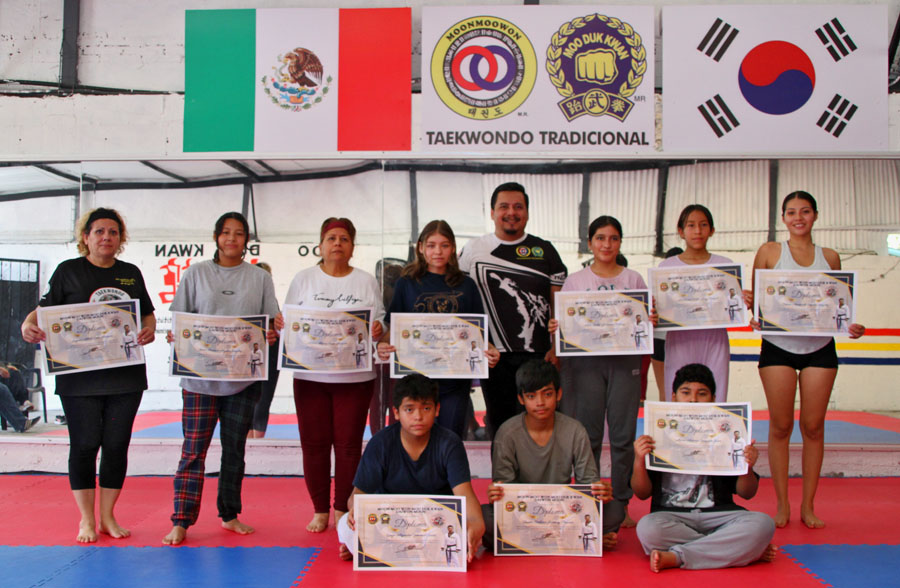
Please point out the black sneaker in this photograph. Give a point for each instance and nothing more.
(60, 419)
(30, 423)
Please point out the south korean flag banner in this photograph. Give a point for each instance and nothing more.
(775, 79)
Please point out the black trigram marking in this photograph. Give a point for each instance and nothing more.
(835, 118)
(717, 40)
(718, 116)
(836, 40)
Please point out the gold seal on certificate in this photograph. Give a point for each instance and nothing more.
(698, 437)
(439, 345)
(805, 302)
(548, 519)
(319, 340)
(603, 322)
(92, 336)
(211, 347)
(699, 296)
(410, 532)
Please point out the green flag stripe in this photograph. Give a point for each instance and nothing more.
(219, 72)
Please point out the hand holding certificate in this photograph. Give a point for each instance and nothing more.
(805, 302)
(410, 532)
(92, 336)
(439, 345)
(603, 322)
(699, 297)
(317, 340)
(698, 437)
(212, 347)
(548, 519)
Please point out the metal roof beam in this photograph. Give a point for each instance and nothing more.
(164, 172)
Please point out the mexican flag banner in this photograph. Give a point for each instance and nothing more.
(297, 80)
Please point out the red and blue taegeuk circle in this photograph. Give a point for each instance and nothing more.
(777, 77)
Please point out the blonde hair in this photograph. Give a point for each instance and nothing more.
(84, 224)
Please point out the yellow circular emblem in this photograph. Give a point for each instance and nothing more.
(483, 67)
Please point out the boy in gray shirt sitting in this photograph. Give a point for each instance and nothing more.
(543, 446)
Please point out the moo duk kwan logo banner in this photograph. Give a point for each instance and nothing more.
(538, 78)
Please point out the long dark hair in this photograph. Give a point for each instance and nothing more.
(418, 267)
(604, 221)
(682, 218)
(220, 226)
(799, 195)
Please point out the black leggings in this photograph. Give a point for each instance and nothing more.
(99, 422)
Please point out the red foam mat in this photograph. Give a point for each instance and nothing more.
(39, 510)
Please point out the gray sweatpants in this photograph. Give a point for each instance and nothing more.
(601, 389)
(708, 540)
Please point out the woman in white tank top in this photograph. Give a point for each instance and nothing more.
(785, 360)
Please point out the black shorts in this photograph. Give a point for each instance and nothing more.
(659, 349)
(771, 354)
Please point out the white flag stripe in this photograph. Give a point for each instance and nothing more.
(691, 78)
(278, 32)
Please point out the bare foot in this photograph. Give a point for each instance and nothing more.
(113, 529)
(337, 516)
(175, 536)
(810, 519)
(628, 522)
(782, 516)
(238, 527)
(769, 554)
(660, 560)
(87, 532)
(254, 434)
(610, 540)
(344, 553)
(318, 523)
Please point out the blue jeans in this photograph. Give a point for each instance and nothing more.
(9, 408)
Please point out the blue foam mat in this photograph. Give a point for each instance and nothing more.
(848, 565)
(835, 432)
(173, 431)
(146, 567)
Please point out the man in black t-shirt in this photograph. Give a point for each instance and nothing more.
(517, 275)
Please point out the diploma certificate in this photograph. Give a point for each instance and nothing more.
(92, 336)
(698, 437)
(211, 347)
(548, 519)
(439, 345)
(318, 340)
(805, 302)
(604, 322)
(410, 532)
(699, 296)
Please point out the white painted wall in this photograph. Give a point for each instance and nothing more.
(135, 45)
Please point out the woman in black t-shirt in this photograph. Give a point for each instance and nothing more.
(100, 405)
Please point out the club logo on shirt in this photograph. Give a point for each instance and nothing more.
(530, 252)
(107, 294)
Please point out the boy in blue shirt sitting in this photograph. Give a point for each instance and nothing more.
(414, 456)
(693, 521)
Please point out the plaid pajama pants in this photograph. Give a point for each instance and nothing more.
(198, 421)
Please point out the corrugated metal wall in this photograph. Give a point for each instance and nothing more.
(631, 198)
(859, 202)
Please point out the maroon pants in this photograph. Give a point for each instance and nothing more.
(331, 416)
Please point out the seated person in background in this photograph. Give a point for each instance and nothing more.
(693, 521)
(414, 456)
(14, 402)
(543, 446)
